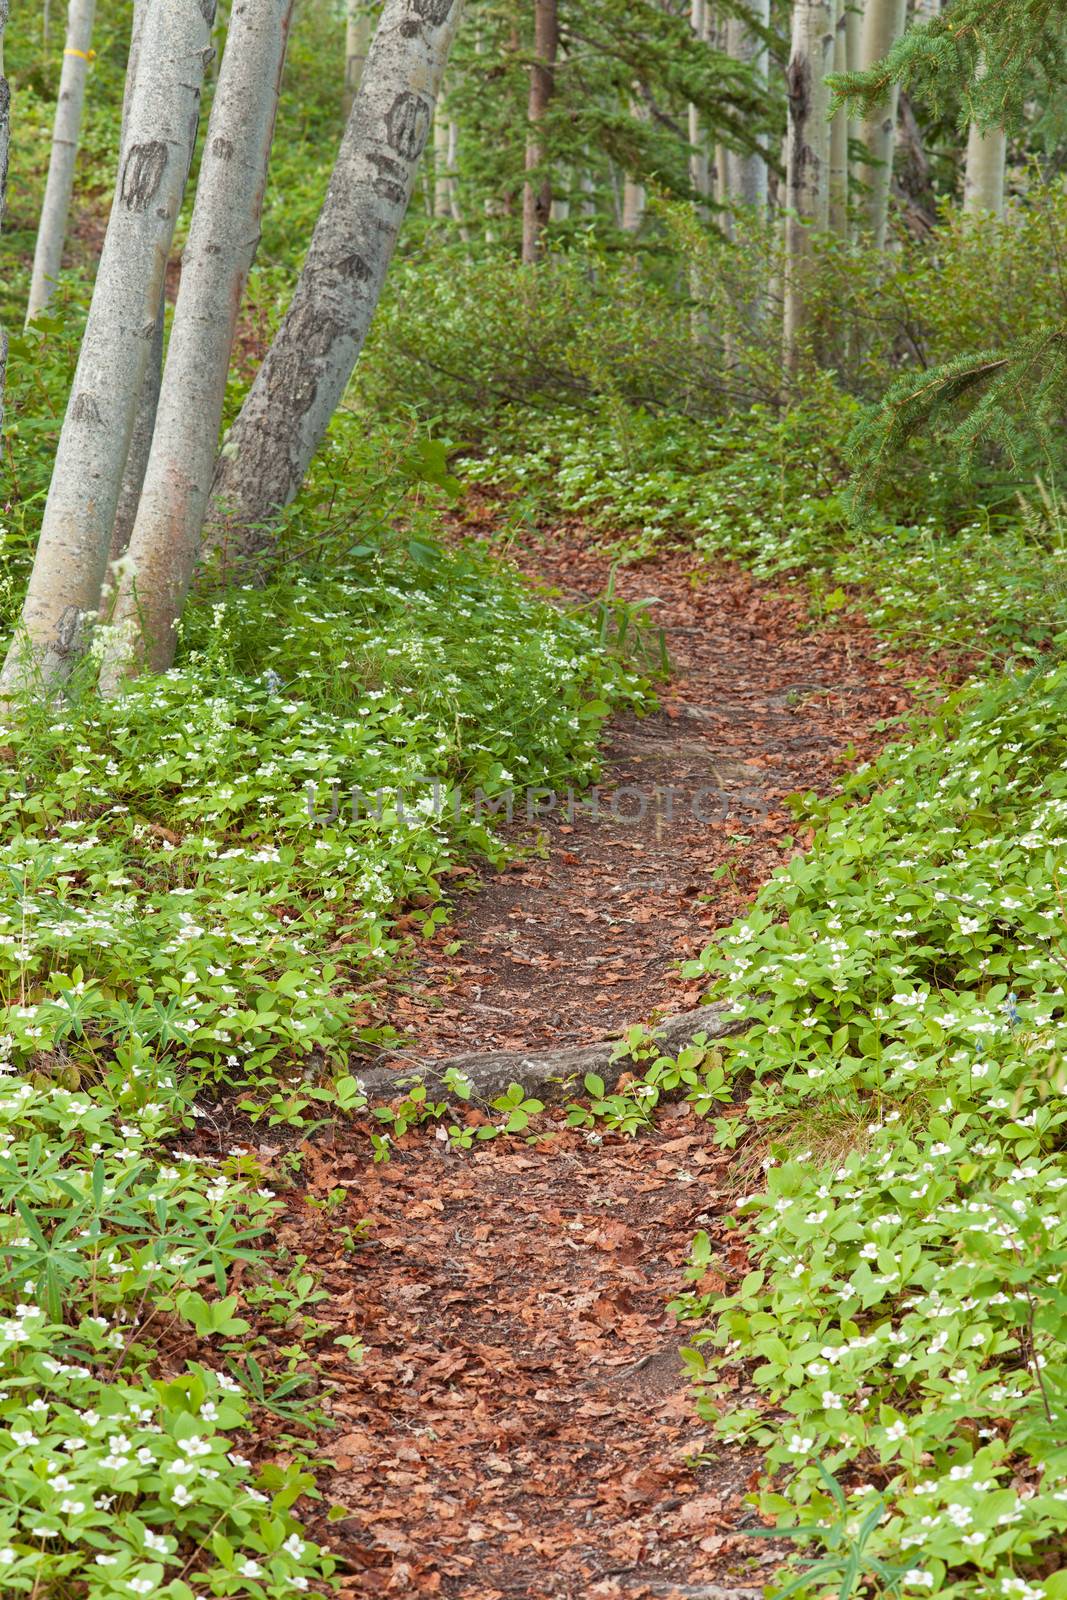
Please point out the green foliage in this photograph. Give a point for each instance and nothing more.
(904, 982)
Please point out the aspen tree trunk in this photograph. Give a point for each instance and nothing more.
(52, 230)
(145, 421)
(358, 30)
(442, 183)
(634, 203)
(537, 191)
(983, 182)
(699, 165)
(747, 174)
(5, 144)
(223, 236)
(561, 205)
(65, 584)
(634, 194)
(853, 62)
(807, 161)
(307, 368)
(883, 23)
(839, 132)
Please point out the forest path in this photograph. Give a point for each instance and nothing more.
(520, 1426)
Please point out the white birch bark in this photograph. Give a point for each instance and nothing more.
(358, 30)
(747, 172)
(807, 160)
(223, 237)
(65, 584)
(983, 182)
(883, 23)
(55, 211)
(305, 372)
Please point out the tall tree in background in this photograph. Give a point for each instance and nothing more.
(839, 132)
(883, 25)
(537, 190)
(223, 236)
(72, 552)
(5, 143)
(747, 169)
(985, 169)
(807, 161)
(52, 230)
(699, 163)
(359, 27)
(307, 368)
(984, 173)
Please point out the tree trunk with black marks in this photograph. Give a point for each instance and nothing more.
(306, 370)
(72, 552)
(883, 23)
(747, 171)
(358, 30)
(145, 421)
(537, 191)
(55, 212)
(223, 237)
(807, 162)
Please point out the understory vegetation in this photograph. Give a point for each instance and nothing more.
(204, 878)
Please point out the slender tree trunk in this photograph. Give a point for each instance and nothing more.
(5, 144)
(65, 585)
(145, 420)
(442, 182)
(306, 370)
(52, 231)
(983, 183)
(853, 62)
(807, 161)
(839, 132)
(537, 191)
(222, 243)
(699, 165)
(747, 174)
(358, 30)
(883, 23)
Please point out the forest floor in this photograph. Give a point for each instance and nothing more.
(522, 1426)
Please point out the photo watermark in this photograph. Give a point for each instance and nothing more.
(628, 804)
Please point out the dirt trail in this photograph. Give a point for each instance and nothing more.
(521, 1424)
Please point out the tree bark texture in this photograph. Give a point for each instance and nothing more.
(747, 172)
(307, 368)
(983, 183)
(55, 211)
(358, 30)
(537, 191)
(839, 131)
(5, 144)
(223, 237)
(883, 23)
(145, 420)
(807, 160)
(72, 552)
